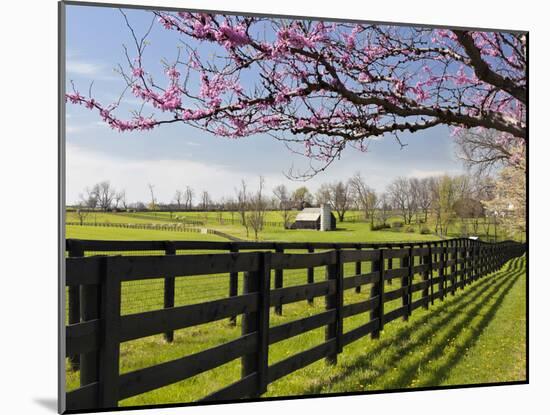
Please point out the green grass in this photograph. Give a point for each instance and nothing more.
(230, 224)
(99, 233)
(345, 232)
(476, 336)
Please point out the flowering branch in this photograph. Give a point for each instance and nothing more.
(325, 86)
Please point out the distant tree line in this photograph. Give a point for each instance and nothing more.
(444, 199)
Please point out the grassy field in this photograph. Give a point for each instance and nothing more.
(92, 232)
(354, 226)
(476, 336)
(345, 232)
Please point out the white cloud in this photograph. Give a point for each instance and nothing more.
(82, 68)
(90, 70)
(74, 127)
(85, 167)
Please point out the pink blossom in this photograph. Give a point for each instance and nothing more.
(201, 30)
(287, 37)
(461, 78)
(364, 77)
(137, 71)
(272, 120)
(421, 94)
(90, 104)
(173, 73)
(74, 98)
(145, 123)
(167, 21)
(232, 36)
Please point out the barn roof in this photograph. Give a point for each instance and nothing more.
(309, 214)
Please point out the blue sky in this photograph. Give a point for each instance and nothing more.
(174, 156)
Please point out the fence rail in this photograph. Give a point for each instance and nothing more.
(96, 328)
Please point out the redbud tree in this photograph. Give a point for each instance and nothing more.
(324, 86)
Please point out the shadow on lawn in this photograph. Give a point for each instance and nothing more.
(451, 318)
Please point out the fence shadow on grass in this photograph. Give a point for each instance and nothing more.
(453, 316)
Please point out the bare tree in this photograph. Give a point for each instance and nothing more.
(385, 207)
(364, 196)
(323, 195)
(340, 198)
(219, 207)
(120, 199)
(205, 200)
(282, 198)
(242, 204)
(402, 197)
(483, 151)
(179, 198)
(153, 205)
(188, 196)
(89, 200)
(255, 217)
(421, 196)
(104, 193)
(82, 213)
(231, 206)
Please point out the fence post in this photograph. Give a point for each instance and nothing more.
(310, 275)
(427, 277)
(390, 264)
(406, 281)
(465, 276)
(377, 289)
(75, 250)
(279, 280)
(467, 258)
(475, 259)
(441, 271)
(109, 353)
(470, 262)
(484, 259)
(462, 255)
(258, 321)
(358, 270)
(89, 310)
(482, 254)
(169, 288)
(335, 302)
(454, 267)
(233, 284)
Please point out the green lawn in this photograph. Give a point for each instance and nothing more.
(345, 232)
(354, 228)
(476, 336)
(99, 233)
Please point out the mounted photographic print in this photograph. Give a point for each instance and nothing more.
(262, 207)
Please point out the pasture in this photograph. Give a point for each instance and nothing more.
(355, 226)
(358, 231)
(477, 336)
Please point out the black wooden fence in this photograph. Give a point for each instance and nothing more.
(96, 327)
